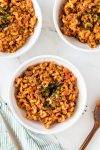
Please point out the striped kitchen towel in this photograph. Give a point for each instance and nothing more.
(26, 139)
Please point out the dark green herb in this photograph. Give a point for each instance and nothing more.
(54, 94)
(45, 92)
(58, 88)
(48, 106)
(7, 8)
(4, 24)
(7, 15)
(88, 28)
(4, 16)
(1, 10)
(4, 10)
(96, 19)
(4, 13)
(48, 91)
(1, 17)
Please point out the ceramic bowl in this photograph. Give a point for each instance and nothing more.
(71, 41)
(37, 126)
(32, 39)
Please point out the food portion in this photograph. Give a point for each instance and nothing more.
(47, 92)
(81, 19)
(17, 24)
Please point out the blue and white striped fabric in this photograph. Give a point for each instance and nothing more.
(27, 139)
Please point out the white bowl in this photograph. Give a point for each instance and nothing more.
(32, 39)
(37, 126)
(71, 41)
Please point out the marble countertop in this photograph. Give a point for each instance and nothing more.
(88, 63)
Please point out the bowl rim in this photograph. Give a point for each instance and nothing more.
(63, 37)
(75, 119)
(25, 50)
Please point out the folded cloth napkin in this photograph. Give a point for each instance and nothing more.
(27, 139)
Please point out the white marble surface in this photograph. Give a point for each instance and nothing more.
(89, 65)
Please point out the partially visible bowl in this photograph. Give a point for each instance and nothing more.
(32, 39)
(36, 126)
(71, 41)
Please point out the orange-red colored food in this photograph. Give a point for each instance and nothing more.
(17, 24)
(81, 19)
(47, 92)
